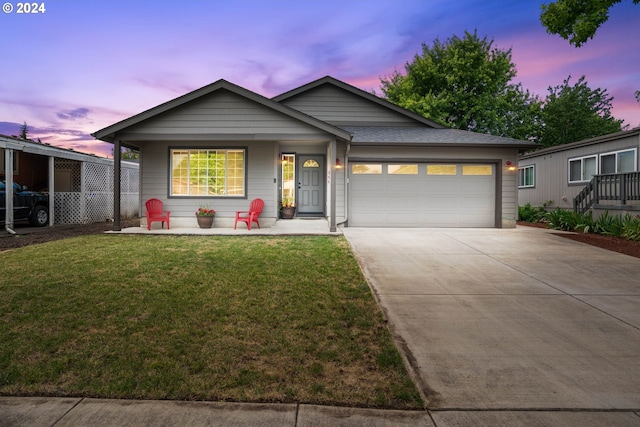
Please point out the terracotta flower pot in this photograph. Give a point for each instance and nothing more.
(205, 221)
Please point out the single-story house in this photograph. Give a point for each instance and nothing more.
(80, 185)
(335, 150)
(597, 173)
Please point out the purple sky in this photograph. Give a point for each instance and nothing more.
(83, 65)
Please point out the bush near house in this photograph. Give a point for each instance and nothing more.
(528, 213)
(627, 226)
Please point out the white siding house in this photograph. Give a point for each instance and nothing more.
(337, 151)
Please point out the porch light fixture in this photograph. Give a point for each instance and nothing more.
(338, 163)
(510, 166)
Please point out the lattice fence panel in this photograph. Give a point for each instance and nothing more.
(129, 192)
(68, 208)
(98, 190)
(74, 167)
(92, 201)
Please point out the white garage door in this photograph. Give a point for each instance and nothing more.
(422, 195)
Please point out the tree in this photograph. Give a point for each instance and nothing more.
(573, 113)
(24, 131)
(127, 154)
(465, 83)
(576, 20)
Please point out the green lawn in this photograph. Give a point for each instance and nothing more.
(256, 319)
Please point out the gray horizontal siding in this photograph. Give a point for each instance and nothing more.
(552, 176)
(339, 107)
(222, 112)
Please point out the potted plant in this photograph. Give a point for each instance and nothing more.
(287, 208)
(205, 216)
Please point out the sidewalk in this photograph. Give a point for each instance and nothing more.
(59, 411)
(54, 411)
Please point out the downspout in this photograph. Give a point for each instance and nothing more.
(346, 184)
(8, 184)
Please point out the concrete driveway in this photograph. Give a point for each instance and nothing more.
(512, 319)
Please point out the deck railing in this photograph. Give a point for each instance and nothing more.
(616, 186)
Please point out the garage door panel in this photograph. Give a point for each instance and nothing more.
(387, 200)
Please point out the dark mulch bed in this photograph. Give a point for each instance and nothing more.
(28, 235)
(617, 244)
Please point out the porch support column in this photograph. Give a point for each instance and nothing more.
(52, 195)
(116, 185)
(333, 152)
(8, 181)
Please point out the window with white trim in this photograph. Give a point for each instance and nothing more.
(527, 176)
(582, 169)
(618, 161)
(208, 172)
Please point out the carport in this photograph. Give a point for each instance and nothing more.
(80, 186)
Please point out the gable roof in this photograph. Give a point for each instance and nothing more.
(328, 80)
(108, 134)
(583, 143)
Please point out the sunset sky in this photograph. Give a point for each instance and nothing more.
(83, 65)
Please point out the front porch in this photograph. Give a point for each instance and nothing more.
(296, 226)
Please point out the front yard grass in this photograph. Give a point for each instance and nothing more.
(254, 319)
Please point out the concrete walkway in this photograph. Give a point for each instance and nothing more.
(284, 227)
(500, 327)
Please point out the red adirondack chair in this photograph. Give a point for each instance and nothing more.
(255, 209)
(155, 213)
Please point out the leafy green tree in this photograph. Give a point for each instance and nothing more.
(127, 154)
(573, 113)
(576, 20)
(465, 83)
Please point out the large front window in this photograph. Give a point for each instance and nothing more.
(208, 172)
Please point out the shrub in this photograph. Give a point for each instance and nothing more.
(631, 228)
(627, 226)
(610, 225)
(563, 219)
(528, 213)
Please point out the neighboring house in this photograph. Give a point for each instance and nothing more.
(597, 173)
(80, 186)
(338, 151)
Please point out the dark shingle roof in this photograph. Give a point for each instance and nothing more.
(370, 135)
